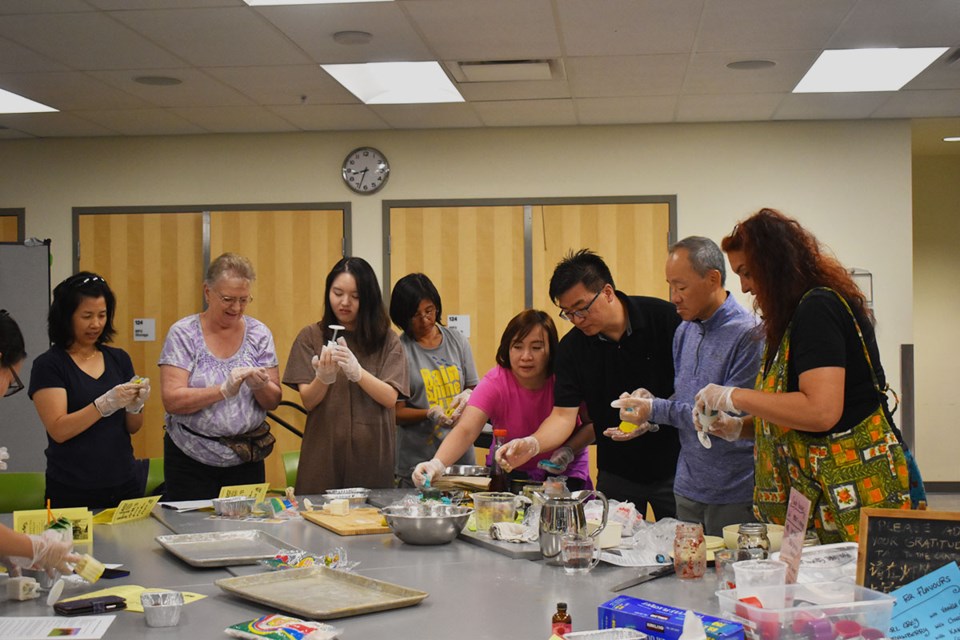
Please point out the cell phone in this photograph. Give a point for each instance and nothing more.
(89, 606)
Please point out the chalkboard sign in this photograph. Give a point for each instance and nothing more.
(897, 547)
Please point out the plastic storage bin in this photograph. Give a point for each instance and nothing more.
(816, 610)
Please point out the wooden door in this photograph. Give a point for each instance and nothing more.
(474, 256)
(631, 238)
(292, 253)
(153, 262)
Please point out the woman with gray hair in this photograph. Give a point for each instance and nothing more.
(218, 378)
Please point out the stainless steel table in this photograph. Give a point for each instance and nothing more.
(474, 592)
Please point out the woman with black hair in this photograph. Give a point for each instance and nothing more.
(349, 387)
(442, 375)
(89, 399)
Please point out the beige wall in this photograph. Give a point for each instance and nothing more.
(936, 298)
(850, 182)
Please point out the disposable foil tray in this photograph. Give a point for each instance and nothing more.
(319, 593)
(223, 548)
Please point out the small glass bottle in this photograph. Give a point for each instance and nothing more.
(499, 480)
(811, 539)
(689, 551)
(753, 535)
(561, 623)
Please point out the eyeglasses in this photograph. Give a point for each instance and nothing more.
(15, 386)
(229, 301)
(580, 313)
(430, 313)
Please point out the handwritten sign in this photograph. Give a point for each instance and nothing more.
(256, 491)
(898, 547)
(35, 521)
(127, 511)
(798, 513)
(928, 607)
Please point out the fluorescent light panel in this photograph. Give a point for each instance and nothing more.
(854, 70)
(262, 3)
(395, 82)
(12, 103)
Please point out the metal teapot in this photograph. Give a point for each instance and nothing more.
(562, 515)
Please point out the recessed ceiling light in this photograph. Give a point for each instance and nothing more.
(395, 82)
(158, 81)
(952, 139)
(749, 65)
(352, 37)
(852, 70)
(254, 3)
(12, 103)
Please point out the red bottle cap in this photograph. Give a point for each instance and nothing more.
(500, 433)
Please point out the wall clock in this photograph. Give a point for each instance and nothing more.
(365, 170)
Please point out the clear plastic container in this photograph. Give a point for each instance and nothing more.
(818, 608)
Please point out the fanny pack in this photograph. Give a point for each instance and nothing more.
(252, 446)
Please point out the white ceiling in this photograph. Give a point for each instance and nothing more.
(614, 61)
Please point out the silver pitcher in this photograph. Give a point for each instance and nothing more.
(563, 515)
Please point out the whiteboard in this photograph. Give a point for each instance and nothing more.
(25, 293)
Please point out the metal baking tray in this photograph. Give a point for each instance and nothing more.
(223, 548)
(320, 593)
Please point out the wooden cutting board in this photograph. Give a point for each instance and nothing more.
(359, 521)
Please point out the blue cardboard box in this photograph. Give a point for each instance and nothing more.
(660, 620)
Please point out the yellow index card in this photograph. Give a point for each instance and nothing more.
(127, 511)
(256, 491)
(35, 521)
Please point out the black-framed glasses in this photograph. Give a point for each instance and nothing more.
(15, 386)
(580, 313)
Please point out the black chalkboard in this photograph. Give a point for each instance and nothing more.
(897, 547)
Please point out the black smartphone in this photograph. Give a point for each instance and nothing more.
(89, 606)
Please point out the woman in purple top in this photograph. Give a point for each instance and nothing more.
(517, 395)
(218, 377)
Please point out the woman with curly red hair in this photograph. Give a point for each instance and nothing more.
(819, 410)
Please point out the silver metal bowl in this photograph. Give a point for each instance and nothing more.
(426, 524)
(467, 470)
(355, 496)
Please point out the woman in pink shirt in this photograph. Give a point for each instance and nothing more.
(517, 395)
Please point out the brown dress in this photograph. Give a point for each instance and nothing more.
(349, 440)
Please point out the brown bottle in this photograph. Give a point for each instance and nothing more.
(561, 623)
(499, 480)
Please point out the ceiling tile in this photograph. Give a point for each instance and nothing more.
(628, 27)
(602, 77)
(894, 23)
(234, 119)
(920, 104)
(832, 106)
(14, 57)
(332, 117)
(527, 113)
(625, 110)
(736, 108)
(68, 90)
(142, 122)
(428, 116)
(221, 37)
(732, 25)
(284, 85)
(708, 72)
(54, 125)
(521, 90)
(197, 89)
(129, 5)
(43, 6)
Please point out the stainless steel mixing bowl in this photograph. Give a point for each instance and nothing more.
(428, 523)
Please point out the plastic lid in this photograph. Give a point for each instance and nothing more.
(562, 606)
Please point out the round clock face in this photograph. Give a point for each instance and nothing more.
(365, 170)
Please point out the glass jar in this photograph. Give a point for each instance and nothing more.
(753, 535)
(689, 551)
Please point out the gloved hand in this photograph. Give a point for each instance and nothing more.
(714, 397)
(324, 367)
(635, 407)
(615, 433)
(723, 425)
(561, 457)
(514, 453)
(458, 404)
(4, 456)
(50, 552)
(347, 361)
(231, 386)
(437, 415)
(430, 470)
(257, 379)
(143, 393)
(115, 399)
(13, 570)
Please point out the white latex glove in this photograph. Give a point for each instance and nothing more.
(347, 362)
(115, 399)
(516, 452)
(50, 553)
(616, 433)
(426, 472)
(723, 425)
(458, 404)
(635, 408)
(4, 456)
(143, 393)
(562, 457)
(257, 379)
(324, 367)
(437, 415)
(714, 397)
(231, 386)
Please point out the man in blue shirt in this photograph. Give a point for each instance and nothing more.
(716, 342)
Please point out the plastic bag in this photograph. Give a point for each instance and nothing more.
(277, 627)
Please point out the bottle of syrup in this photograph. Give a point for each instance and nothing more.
(499, 480)
(561, 623)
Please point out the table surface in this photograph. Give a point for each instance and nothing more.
(473, 592)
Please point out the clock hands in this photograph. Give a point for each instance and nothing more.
(363, 174)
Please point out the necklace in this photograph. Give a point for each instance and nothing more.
(77, 355)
